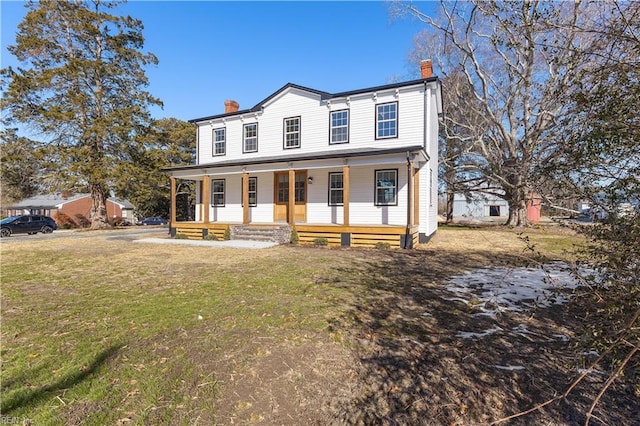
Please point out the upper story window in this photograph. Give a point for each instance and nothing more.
(250, 138)
(386, 187)
(217, 192)
(387, 120)
(339, 126)
(292, 132)
(219, 141)
(336, 189)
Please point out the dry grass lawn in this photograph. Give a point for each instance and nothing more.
(101, 331)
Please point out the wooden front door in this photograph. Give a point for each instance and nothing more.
(281, 197)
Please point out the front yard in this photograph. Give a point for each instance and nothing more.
(101, 331)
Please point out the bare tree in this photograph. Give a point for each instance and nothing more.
(519, 60)
(459, 166)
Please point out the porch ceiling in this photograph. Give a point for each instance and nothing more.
(337, 158)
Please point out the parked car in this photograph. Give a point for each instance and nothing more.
(27, 224)
(153, 221)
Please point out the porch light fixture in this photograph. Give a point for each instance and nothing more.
(310, 180)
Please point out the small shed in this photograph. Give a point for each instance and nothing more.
(480, 207)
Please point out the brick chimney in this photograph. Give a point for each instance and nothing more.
(230, 106)
(426, 68)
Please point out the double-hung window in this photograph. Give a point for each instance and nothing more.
(336, 189)
(339, 126)
(219, 141)
(217, 192)
(386, 188)
(292, 132)
(387, 120)
(250, 137)
(253, 191)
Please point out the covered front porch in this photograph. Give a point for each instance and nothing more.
(359, 199)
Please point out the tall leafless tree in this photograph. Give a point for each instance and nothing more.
(519, 60)
(459, 165)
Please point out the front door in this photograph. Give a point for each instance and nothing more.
(281, 197)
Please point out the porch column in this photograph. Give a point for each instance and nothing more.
(292, 197)
(173, 200)
(410, 196)
(206, 198)
(416, 197)
(245, 198)
(345, 194)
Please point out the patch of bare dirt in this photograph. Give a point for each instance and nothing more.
(287, 384)
(78, 412)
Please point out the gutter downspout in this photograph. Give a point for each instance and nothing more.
(407, 229)
(425, 116)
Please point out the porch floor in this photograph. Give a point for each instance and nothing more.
(334, 234)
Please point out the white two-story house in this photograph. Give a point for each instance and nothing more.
(355, 168)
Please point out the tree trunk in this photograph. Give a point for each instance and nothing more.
(450, 199)
(517, 210)
(99, 217)
(450, 176)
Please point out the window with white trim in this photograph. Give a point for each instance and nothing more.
(253, 191)
(336, 189)
(219, 141)
(250, 137)
(217, 192)
(339, 126)
(292, 132)
(387, 120)
(386, 188)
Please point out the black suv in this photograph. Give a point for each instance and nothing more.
(27, 224)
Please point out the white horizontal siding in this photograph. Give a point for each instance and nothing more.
(232, 211)
(362, 208)
(432, 145)
(318, 208)
(363, 211)
(315, 116)
(428, 200)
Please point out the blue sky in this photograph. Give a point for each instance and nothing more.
(210, 51)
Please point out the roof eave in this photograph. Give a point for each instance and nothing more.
(323, 95)
(306, 157)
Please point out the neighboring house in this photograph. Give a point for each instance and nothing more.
(356, 167)
(479, 207)
(71, 205)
